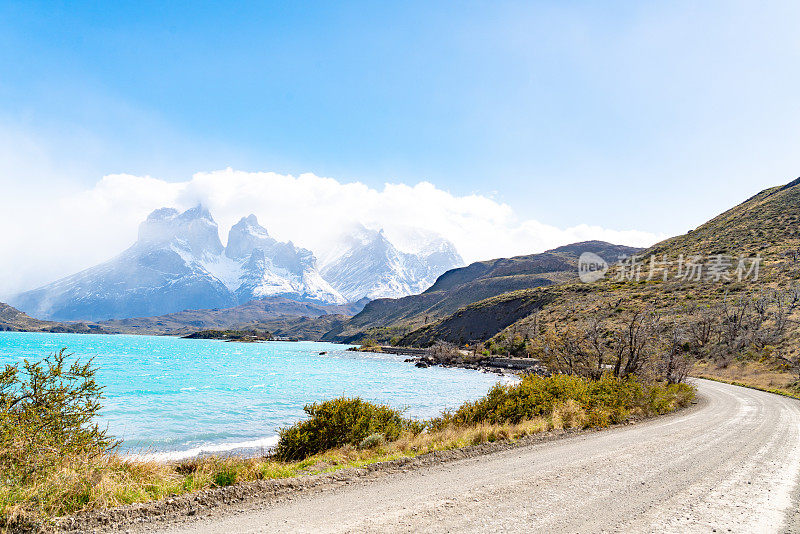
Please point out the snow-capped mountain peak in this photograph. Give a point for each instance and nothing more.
(246, 236)
(367, 264)
(179, 262)
(270, 267)
(194, 231)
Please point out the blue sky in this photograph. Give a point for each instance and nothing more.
(628, 115)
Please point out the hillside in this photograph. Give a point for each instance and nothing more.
(305, 328)
(765, 224)
(386, 318)
(274, 314)
(13, 320)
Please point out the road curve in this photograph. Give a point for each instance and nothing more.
(731, 465)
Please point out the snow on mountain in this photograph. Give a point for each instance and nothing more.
(367, 264)
(272, 268)
(178, 263)
(162, 272)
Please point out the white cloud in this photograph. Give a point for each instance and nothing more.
(80, 229)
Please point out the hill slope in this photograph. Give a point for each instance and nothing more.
(767, 224)
(272, 314)
(13, 320)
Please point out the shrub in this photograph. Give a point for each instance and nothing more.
(225, 477)
(50, 446)
(47, 412)
(338, 422)
(372, 441)
(573, 400)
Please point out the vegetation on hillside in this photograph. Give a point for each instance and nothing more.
(241, 336)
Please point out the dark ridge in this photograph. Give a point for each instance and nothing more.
(793, 183)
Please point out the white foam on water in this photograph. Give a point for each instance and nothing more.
(171, 456)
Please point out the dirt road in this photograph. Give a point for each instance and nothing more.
(729, 466)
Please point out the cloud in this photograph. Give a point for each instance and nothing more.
(80, 229)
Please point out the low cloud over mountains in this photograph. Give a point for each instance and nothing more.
(81, 228)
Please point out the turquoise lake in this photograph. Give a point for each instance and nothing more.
(172, 398)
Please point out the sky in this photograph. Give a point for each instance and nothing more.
(507, 127)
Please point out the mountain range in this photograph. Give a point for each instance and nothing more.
(179, 263)
(386, 318)
(369, 265)
(505, 298)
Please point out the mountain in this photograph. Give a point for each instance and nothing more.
(259, 266)
(162, 272)
(179, 263)
(369, 265)
(463, 286)
(13, 320)
(765, 225)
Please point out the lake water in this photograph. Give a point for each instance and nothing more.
(173, 398)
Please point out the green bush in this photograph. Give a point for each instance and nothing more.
(47, 412)
(338, 422)
(605, 401)
(225, 477)
(577, 401)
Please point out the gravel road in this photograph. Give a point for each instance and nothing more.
(730, 465)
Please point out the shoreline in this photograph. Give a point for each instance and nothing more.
(259, 447)
(500, 365)
(240, 440)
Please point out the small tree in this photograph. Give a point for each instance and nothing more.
(444, 352)
(47, 413)
(633, 345)
(674, 364)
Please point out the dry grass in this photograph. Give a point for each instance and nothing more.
(759, 375)
(113, 480)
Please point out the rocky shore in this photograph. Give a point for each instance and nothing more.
(489, 364)
(460, 358)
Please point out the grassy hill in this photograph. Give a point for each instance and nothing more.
(279, 313)
(767, 223)
(385, 319)
(13, 320)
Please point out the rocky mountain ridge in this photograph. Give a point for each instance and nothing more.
(179, 263)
